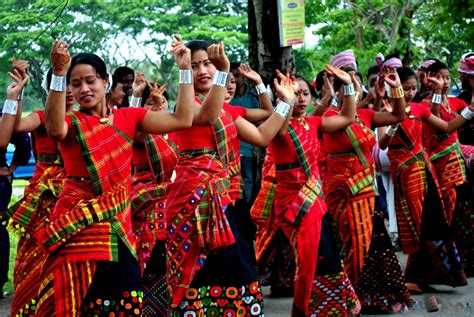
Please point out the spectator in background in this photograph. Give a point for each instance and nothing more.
(21, 156)
(127, 76)
(466, 75)
(251, 157)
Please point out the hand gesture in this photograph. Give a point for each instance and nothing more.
(216, 55)
(355, 81)
(5, 171)
(287, 87)
(391, 77)
(252, 75)
(139, 84)
(435, 81)
(379, 87)
(156, 94)
(60, 58)
(339, 73)
(21, 66)
(14, 89)
(182, 54)
(328, 88)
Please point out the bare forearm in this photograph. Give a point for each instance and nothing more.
(54, 113)
(185, 104)
(211, 107)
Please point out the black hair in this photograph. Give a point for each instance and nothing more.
(311, 88)
(49, 75)
(197, 45)
(234, 65)
(146, 95)
(89, 59)
(320, 80)
(436, 67)
(123, 71)
(115, 81)
(373, 70)
(405, 73)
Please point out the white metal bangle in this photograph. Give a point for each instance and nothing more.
(58, 83)
(185, 76)
(348, 89)
(436, 98)
(20, 97)
(334, 101)
(10, 107)
(135, 102)
(220, 79)
(388, 89)
(261, 89)
(391, 131)
(467, 114)
(282, 108)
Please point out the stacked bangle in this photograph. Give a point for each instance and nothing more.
(348, 89)
(185, 76)
(391, 131)
(58, 83)
(467, 114)
(261, 89)
(282, 108)
(135, 102)
(398, 92)
(10, 107)
(437, 98)
(334, 101)
(220, 79)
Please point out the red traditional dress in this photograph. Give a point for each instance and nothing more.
(423, 228)
(209, 268)
(91, 267)
(321, 285)
(350, 189)
(153, 165)
(30, 214)
(446, 155)
(274, 253)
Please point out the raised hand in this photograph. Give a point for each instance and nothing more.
(287, 88)
(21, 66)
(218, 58)
(252, 75)
(139, 84)
(391, 77)
(182, 54)
(355, 81)
(156, 94)
(14, 89)
(328, 88)
(379, 87)
(435, 81)
(339, 73)
(60, 58)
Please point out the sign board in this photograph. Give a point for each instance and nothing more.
(291, 21)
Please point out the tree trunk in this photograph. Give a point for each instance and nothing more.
(265, 53)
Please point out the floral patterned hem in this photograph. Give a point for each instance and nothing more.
(228, 301)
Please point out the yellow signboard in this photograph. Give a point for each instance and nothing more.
(291, 22)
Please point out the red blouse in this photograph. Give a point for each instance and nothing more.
(125, 119)
(435, 141)
(43, 145)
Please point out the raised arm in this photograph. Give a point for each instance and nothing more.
(164, 122)
(55, 109)
(381, 119)
(265, 133)
(435, 81)
(266, 107)
(450, 126)
(327, 91)
(10, 107)
(347, 114)
(209, 111)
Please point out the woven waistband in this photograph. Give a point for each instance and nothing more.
(78, 178)
(197, 152)
(141, 169)
(48, 158)
(289, 166)
(348, 153)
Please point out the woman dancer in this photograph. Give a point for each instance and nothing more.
(91, 267)
(423, 227)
